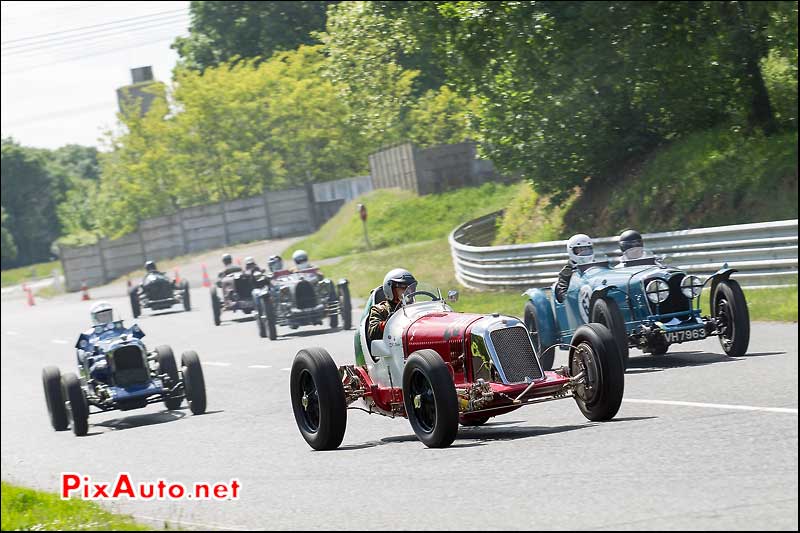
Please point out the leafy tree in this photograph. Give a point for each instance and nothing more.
(223, 31)
(28, 201)
(441, 117)
(8, 250)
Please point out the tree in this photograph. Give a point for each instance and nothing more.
(8, 250)
(222, 31)
(442, 117)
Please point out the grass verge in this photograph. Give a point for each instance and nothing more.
(32, 510)
(15, 276)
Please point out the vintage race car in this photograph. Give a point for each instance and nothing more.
(440, 368)
(645, 304)
(237, 294)
(301, 298)
(117, 372)
(157, 291)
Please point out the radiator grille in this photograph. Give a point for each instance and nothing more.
(515, 353)
(305, 295)
(158, 288)
(129, 366)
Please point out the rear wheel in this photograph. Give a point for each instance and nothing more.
(136, 307)
(532, 325)
(216, 306)
(318, 399)
(595, 353)
(187, 302)
(346, 306)
(261, 320)
(606, 311)
(167, 365)
(430, 399)
(77, 408)
(269, 312)
(730, 310)
(334, 321)
(53, 395)
(193, 382)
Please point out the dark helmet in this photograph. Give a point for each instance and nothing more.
(227, 259)
(630, 238)
(150, 266)
(275, 263)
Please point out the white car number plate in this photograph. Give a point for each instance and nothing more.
(674, 337)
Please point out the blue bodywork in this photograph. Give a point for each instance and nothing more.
(107, 386)
(645, 322)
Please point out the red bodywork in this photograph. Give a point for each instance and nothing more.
(449, 334)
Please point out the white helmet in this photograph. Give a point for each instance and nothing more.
(101, 313)
(399, 276)
(300, 258)
(580, 249)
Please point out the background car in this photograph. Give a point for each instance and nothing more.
(440, 368)
(236, 291)
(645, 305)
(116, 371)
(300, 299)
(157, 291)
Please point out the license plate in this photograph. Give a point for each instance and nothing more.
(674, 337)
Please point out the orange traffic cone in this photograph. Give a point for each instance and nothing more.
(30, 294)
(206, 281)
(85, 289)
(177, 276)
(239, 261)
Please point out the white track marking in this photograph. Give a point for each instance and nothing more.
(783, 410)
(11, 333)
(59, 341)
(214, 363)
(260, 366)
(286, 369)
(192, 524)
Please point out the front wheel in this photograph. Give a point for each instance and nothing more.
(318, 399)
(77, 408)
(187, 302)
(136, 306)
(167, 365)
(54, 396)
(730, 310)
(193, 382)
(216, 306)
(430, 399)
(262, 327)
(606, 311)
(346, 305)
(595, 354)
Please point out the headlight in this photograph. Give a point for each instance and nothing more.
(657, 291)
(691, 286)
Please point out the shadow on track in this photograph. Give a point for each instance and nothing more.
(658, 363)
(149, 419)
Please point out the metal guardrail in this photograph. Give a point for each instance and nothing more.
(765, 254)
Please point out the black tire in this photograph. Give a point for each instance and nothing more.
(730, 308)
(430, 399)
(261, 320)
(193, 382)
(167, 365)
(658, 347)
(346, 306)
(272, 326)
(334, 321)
(318, 401)
(78, 410)
(596, 350)
(606, 311)
(187, 299)
(216, 306)
(532, 325)
(136, 306)
(54, 396)
(473, 422)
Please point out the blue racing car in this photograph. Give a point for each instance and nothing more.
(117, 372)
(645, 304)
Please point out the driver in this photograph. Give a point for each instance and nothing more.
(300, 258)
(251, 267)
(581, 251)
(275, 263)
(631, 244)
(395, 284)
(150, 268)
(230, 268)
(102, 312)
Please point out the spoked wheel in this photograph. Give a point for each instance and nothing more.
(53, 395)
(595, 356)
(318, 399)
(733, 318)
(532, 325)
(430, 399)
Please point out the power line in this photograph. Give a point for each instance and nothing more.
(58, 114)
(93, 26)
(92, 41)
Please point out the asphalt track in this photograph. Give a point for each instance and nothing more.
(702, 441)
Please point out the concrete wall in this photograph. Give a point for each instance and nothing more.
(346, 189)
(394, 167)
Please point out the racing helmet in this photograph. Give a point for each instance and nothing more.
(397, 276)
(249, 262)
(300, 258)
(275, 263)
(101, 313)
(150, 266)
(631, 244)
(580, 249)
(227, 259)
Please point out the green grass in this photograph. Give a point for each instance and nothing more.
(15, 276)
(32, 510)
(398, 217)
(431, 262)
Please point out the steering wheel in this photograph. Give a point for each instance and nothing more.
(406, 297)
